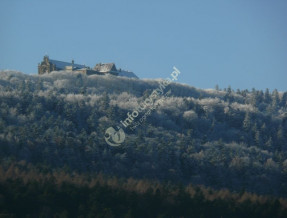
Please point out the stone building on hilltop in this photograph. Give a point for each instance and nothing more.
(49, 65)
(106, 68)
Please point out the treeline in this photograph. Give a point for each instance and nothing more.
(27, 191)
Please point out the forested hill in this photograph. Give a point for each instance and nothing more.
(218, 138)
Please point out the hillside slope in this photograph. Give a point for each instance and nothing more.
(223, 139)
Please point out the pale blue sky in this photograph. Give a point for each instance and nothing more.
(225, 42)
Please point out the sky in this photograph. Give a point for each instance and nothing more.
(241, 43)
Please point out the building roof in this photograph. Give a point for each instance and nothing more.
(107, 67)
(127, 74)
(62, 65)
